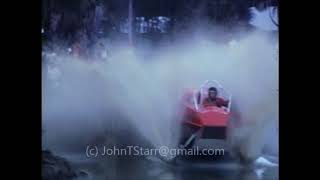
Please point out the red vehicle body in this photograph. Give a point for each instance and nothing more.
(207, 122)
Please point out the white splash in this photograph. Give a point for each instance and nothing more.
(261, 161)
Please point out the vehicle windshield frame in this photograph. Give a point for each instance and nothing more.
(203, 90)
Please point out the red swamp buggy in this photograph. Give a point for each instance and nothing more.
(204, 122)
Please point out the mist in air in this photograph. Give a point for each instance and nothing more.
(136, 95)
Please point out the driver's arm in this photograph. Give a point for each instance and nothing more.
(223, 102)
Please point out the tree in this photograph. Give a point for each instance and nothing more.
(130, 21)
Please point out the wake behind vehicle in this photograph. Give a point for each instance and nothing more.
(202, 121)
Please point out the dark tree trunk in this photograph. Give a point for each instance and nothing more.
(130, 22)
